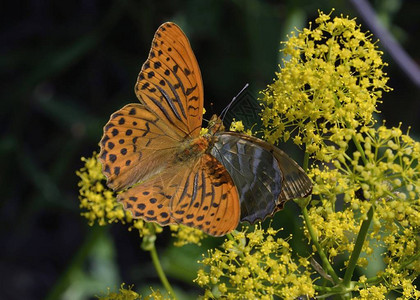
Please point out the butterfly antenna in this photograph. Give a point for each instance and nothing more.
(224, 112)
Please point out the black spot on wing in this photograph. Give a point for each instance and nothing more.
(157, 65)
(190, 90)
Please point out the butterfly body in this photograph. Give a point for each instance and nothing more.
(190, 149)
(153, 153)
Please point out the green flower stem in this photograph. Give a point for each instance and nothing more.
(321, 252)
(335, 290)
(232, 238)
(359, 148)
(332, 291)
(161, 273)
(306, 161)
(409, 261)
(358, 247)
(326, 289)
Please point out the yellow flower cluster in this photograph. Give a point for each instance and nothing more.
(254, 265)
(387, 178)
(372, 292)
(98, 204)
(96, 200)
(122, 294)
(186, 235)
(329, 86)
(128, 294)
(238, 126)
(326, 95)
(378, 291)
(335, 230)
(390, 178)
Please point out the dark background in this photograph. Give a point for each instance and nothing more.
(65, 66)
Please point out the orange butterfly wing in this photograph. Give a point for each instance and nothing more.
(207, 199)
(150, 200)
(135, 145)
(154, 144)
(170, 83)
(199, 194)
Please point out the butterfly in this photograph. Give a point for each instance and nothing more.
(166, 172)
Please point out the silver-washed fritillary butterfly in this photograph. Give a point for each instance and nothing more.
(169, 174)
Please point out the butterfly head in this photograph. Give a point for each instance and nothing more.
(215, 125)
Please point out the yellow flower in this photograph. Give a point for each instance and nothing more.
(326, 95)
(237, 126)
(372, 292)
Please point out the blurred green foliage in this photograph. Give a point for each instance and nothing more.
(66, 66)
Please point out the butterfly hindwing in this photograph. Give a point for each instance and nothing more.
(296, 184)
(151, 199)
(201, 195)
(170, 81)
(207, 199)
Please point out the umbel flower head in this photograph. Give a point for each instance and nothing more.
(254, 265)
(365, 176)
(329, 86)
(388, 180)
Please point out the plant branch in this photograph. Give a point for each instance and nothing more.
(358, 247)
(359, 148)
(306, 162)
(161, 273)
(321, 252)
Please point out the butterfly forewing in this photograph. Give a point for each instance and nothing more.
(263, 174)
(170, 82)
(255, 172)
(136, 144)
(296, 183)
